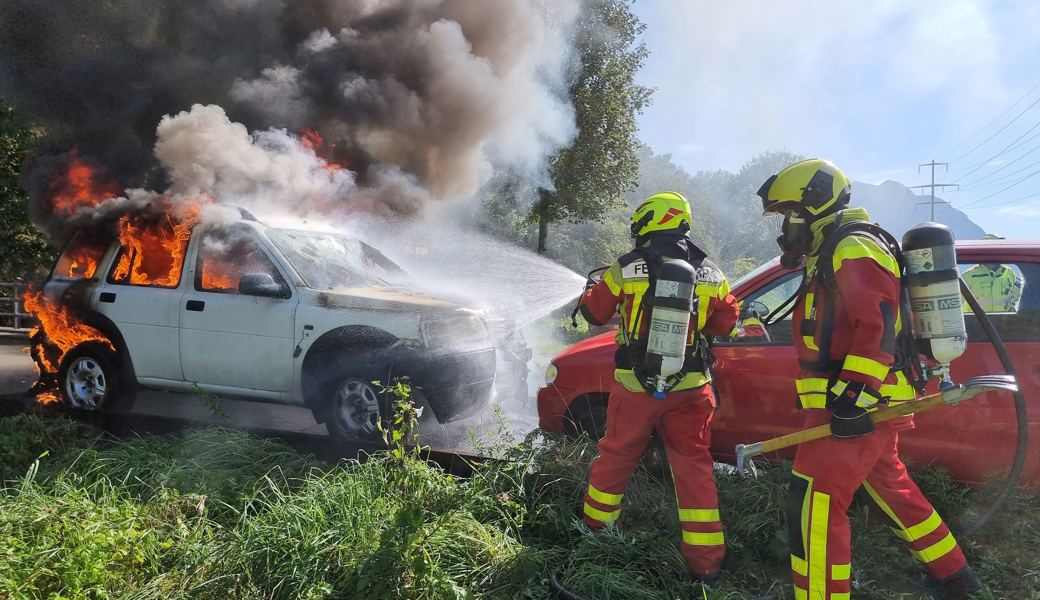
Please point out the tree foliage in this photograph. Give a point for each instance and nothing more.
(24, 251)
(591, 175)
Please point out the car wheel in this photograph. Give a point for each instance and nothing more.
(356, 407)
(587, 415)
(89, 380)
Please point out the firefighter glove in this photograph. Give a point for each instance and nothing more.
(849, 401)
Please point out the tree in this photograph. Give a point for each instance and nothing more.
(24, 251)
(592, 174)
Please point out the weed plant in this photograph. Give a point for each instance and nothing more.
(220, 514)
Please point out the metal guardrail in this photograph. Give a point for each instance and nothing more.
(13, 318)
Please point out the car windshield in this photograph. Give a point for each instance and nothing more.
(762, 268)
(327, 261)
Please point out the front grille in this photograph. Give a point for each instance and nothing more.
(468, 330)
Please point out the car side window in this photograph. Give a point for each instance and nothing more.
(79, 260)
(226, 256)
(761, 302)
(1009, 292)
(151, 254)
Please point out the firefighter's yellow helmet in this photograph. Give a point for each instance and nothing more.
(662, 212)
(815, 185)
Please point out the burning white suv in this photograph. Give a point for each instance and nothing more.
(245, 310)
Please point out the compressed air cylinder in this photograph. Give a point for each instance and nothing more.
(935, 296)
(670, 321)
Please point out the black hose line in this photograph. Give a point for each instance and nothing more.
(1011, 483)
(562, 592)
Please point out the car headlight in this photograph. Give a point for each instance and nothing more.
(551, 373)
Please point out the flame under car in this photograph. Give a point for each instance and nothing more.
(248, 311)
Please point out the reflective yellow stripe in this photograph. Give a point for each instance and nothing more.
(694, 538)
(699, 515)
(603, 497)
(612, 279)
(811, 384)
(841, 596)
(813, 400)
(936, 550)
(921, 529)
(841, 571)
(900, 390)
(857, 246)
(866, 366)
(600, 515)
(798, 565)
(800, 594)
(818, 545)
(810, 343)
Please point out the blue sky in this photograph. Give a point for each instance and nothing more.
(878, 87)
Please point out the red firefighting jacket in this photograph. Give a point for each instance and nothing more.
(866, 318)
(622, 288)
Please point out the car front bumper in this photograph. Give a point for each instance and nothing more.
(456, 384)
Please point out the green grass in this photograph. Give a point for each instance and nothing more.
(220, 514)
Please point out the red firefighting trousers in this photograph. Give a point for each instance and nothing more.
(827, 473)
(682, 421)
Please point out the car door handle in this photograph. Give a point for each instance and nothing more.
(107, 297)
(195, 305)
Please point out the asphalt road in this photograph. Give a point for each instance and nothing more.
(18, 373)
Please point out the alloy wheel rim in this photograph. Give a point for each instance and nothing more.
(86, 385)
(357, 407)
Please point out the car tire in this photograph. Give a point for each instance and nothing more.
(89, 381)
(355, 407)
(587, 414)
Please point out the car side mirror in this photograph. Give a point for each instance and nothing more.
(262, 284)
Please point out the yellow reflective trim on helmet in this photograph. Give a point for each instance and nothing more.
(699, 515)
(866, 366)
(599, 515)
(857, 246)
(662, 212)
(936, 550)
(818, 526)
(696, 538)
(604, 497)
(841, 571)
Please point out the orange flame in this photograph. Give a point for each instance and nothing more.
(79, 187)
(47, 397)
(215, 276)
(153, 253)
(60, 327)
(82, 260)
(312, 140)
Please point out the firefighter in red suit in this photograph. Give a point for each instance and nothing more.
(845, 325)
(660, 226)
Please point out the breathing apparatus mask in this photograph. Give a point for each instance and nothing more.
(795, 239)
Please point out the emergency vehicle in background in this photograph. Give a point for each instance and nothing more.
(753, 376)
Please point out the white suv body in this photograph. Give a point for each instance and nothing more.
(307, 319)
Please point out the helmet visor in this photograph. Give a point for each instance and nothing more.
(769, 207)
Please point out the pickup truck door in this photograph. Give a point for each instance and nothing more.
(233, 333)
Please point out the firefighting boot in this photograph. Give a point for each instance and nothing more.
(963, 585)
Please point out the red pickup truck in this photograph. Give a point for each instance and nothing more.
(753, 377)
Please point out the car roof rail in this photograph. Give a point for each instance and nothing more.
(245, 214)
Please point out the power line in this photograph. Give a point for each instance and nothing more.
(1003, 180)
(1003, 202)
(1008, 124)
(1001, 152)
(1004, 166)
(976, 202)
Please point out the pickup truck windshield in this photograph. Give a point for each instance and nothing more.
(327, 261)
